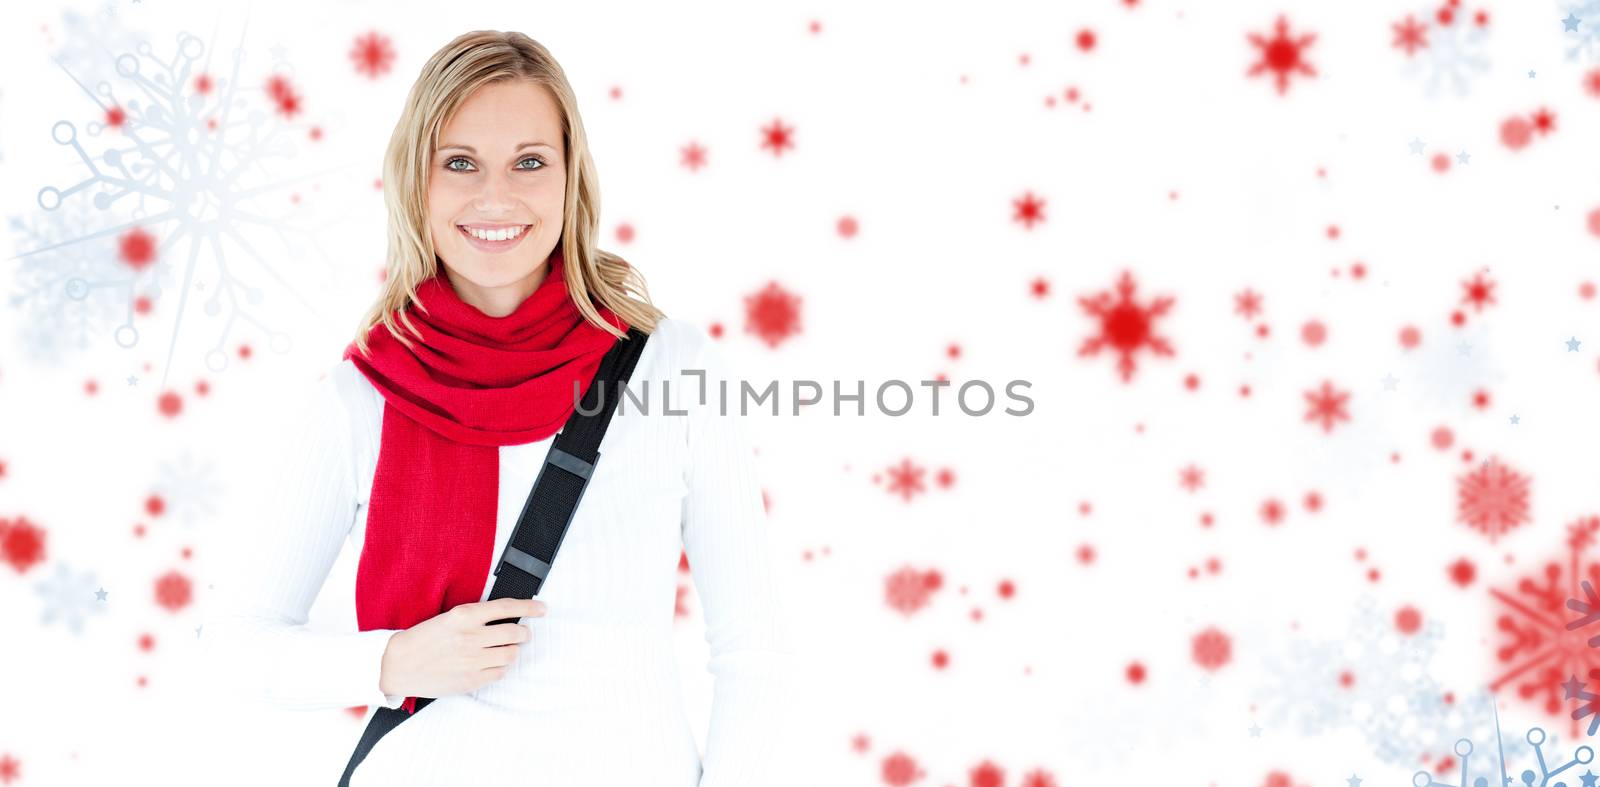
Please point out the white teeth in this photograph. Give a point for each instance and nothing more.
(495, 235)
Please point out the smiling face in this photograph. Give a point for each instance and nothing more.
(496, 189)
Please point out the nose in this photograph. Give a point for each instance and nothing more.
(494, 198)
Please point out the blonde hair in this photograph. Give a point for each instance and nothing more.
(468, 62)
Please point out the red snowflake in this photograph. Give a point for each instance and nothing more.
(1538, 651)
(1212, 649)
(1493, 498)
(1279, 779)
(1125, 326)
(1410, 35)
(1247, 304)
(1544, 121)
(1282, 55)
(283, 95)
(987, 774)
(899, 769)
(778, 137)
(1192, 478)
(21, 544)
(908, 589)
(905, 479)
(1038, 778)
(1327, 405)
(772, 314)
(1029, 209)
(373, 54)
(136, 248)
(1515, 133)
(1479, 292)
(694, 156)
(173, 591)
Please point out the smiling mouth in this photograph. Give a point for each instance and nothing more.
(498, 235)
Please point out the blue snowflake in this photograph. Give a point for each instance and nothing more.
(69, 597)
(1453, 55)
(1536, 738)
(76, 290)
(189, 167)
(1584, 42)
(187, 488)
(1389, 696)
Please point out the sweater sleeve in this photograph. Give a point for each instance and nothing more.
(303, 507)
(729, 547)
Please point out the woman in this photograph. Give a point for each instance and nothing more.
(422, 444)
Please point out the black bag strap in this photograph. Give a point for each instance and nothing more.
(531, 550)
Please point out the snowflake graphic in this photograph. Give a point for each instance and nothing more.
(908, 590)
(1317, 685)
(1584, 42)
(69, 597)
(1327, 405)
(188, 488)
(1125, 326)
(1588, 705)
(905, 479)
(1536, 738)
(1493, 498)
(80, 289)
(184, 164)
(1027, 209)
(777, 137)
(1375, 679)
(83, 42)
(1247, 304)
(1282, 55)
(772, 314)
(1448, 368)
(373, 54)
(1447, 50)
(1410, 35)
(1539, 650)
(1479, 292)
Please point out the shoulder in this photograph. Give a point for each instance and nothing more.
(687, 345)
(350, 388)
(678, 334)
(354, 402)
(678, 344)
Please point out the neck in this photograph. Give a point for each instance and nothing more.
(497, 301)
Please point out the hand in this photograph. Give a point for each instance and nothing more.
(456, 651)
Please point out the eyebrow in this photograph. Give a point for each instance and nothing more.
(473, 151)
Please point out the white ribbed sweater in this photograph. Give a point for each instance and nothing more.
(594, 697)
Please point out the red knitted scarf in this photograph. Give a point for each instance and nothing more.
(472, 383)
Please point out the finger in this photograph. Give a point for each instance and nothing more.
(501, 656)
(501, 634)
(496, 609)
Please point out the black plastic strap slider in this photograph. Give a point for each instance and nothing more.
(569, 463)
(529, 564)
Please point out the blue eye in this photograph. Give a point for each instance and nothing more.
(453, 159)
